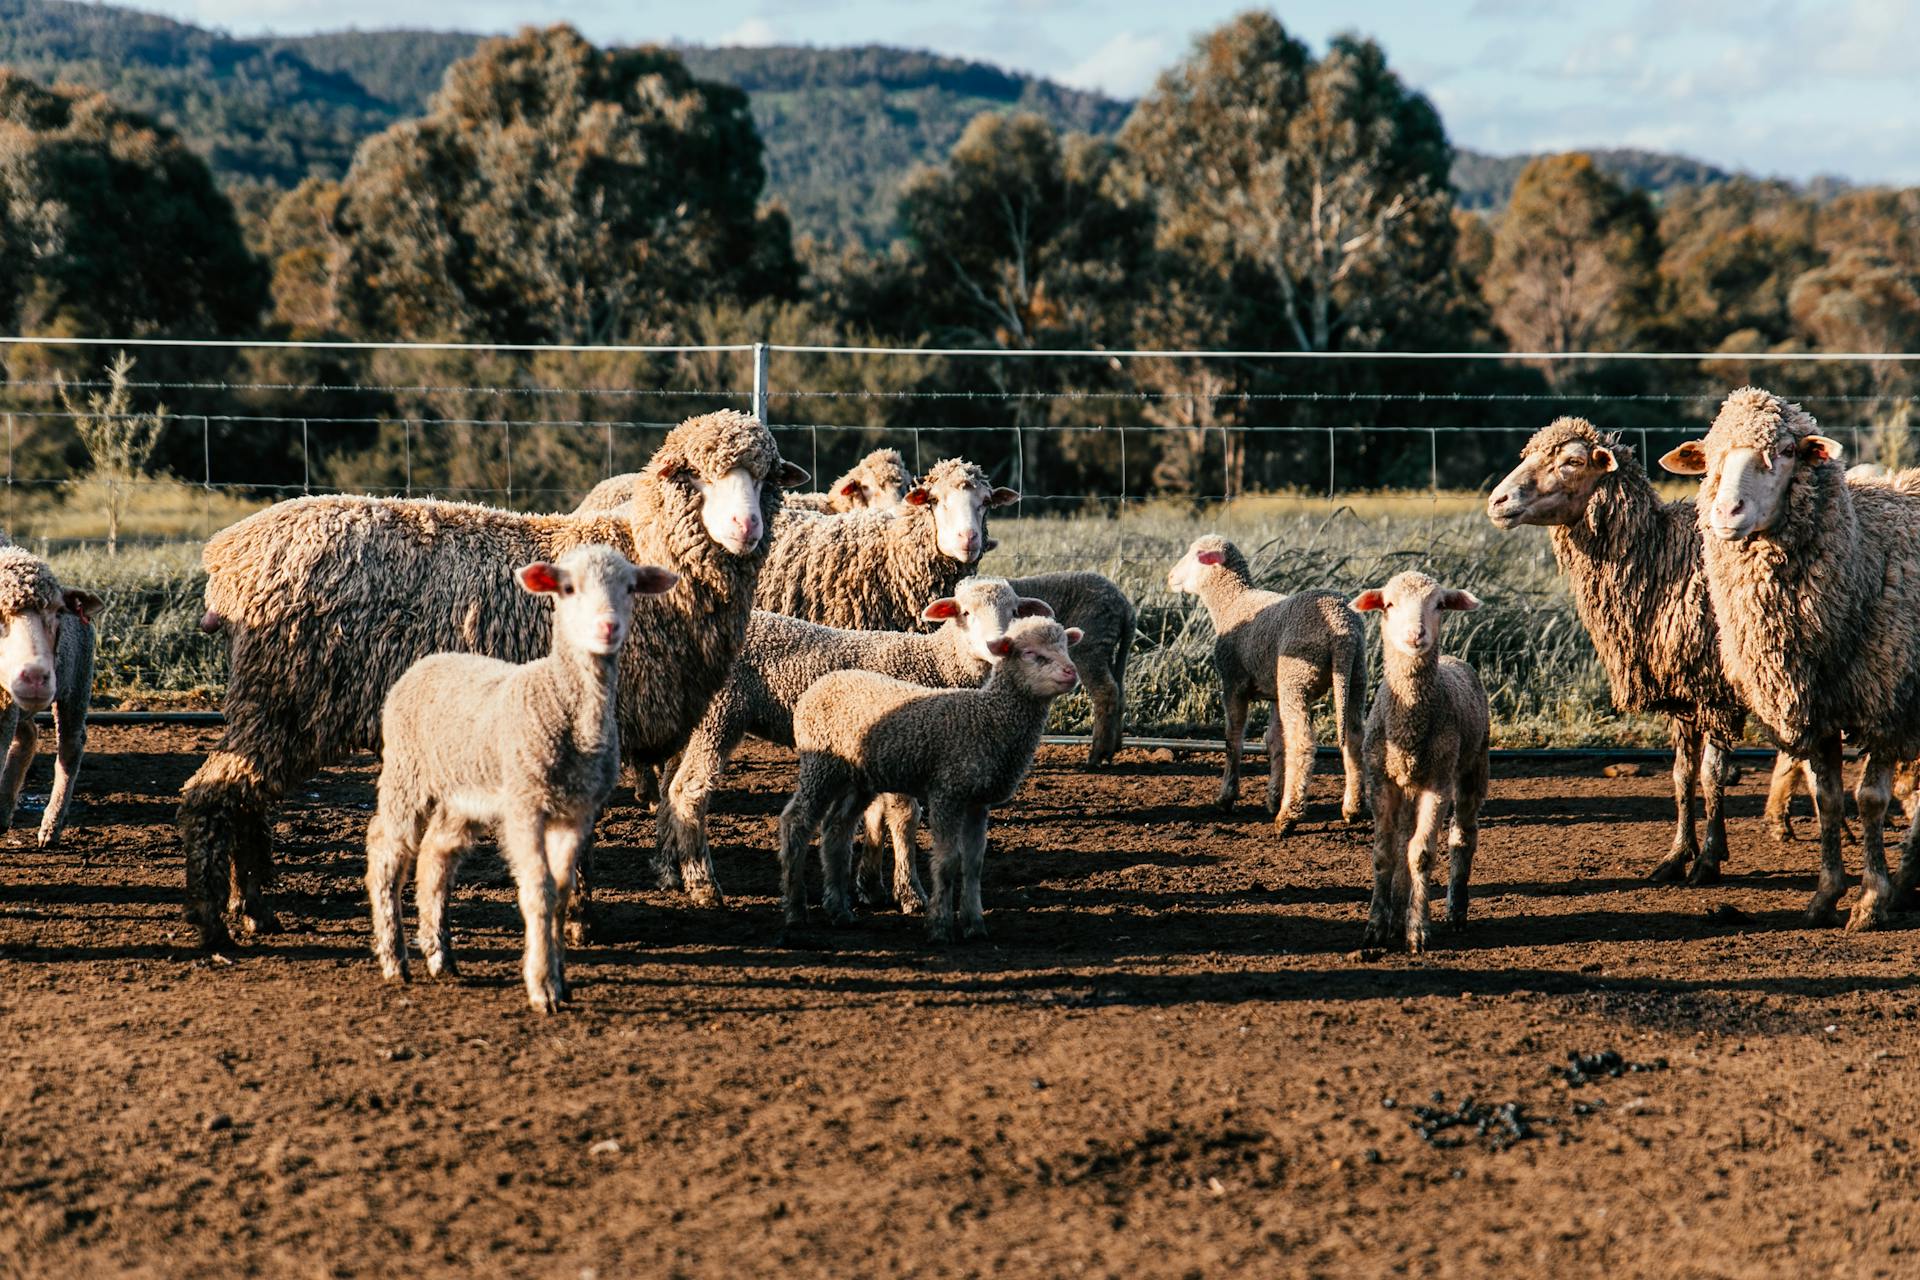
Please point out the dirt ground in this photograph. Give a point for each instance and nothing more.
(1170, 1058)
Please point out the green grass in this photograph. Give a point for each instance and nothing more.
(1546, 685)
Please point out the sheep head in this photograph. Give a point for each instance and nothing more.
(1559, 470)
(959, 496)
(1410, 606)
(728, 464)
(1209, 554)
(1758, 446)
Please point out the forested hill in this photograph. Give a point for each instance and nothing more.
(842, 127)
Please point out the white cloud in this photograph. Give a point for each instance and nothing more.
(753, 32)
(1126, 65)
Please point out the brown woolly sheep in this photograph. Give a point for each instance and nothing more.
(1105, 618)
(1290, 649)
(1816, 586)
(1633, 564)
(878, 482)
(326, 601)
(46, 663)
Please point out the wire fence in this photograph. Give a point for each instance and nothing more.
(1329, 468)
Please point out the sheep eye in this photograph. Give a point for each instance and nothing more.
(567, 590)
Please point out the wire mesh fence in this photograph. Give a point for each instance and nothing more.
(1330, 469)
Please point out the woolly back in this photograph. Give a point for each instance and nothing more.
(870, 570)
(26, 583)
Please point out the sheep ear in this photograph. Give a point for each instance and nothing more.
(789, 476)
(1032, 608)
(1459, 600)
(991, 544)
(940, 610)
(1368, 601)
(1000, 648)
(1211, 557)
(1003, 497)
(81, 604)
(1820, 449)
(668, 465)
(652, 580)
(852, 488)
(918, 496)
(1690, 459)
(540, 578)
(1602, 459)
(1074, 636)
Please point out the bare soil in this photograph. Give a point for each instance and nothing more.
(1169, 1059)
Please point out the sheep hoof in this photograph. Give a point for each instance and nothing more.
(578, 933)
(1352, 817)
(47, 839)
(260, 921)
(1285, 822)
(1377, 936)
(1671, 871)
(1867, 915)
(1821, 915)
(441, 965)
(1782, 832)
(1416, 942)
(798, 937)
(973, 931)
(544, 1001)
(1704, 873)
(706, 895)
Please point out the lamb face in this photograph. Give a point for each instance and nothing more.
(594, 590)
(1209, 551)
(1748, 461)
(1034, 652)
(1411, 605)
(984, 608)
(1559, 470)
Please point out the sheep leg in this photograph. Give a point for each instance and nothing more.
(1104, 692)
(973, 913)
(893, 822)
(566, 841)
(680, 823)
(440, 851)
(1686, 764)
(1716, 763)
(1429, 807)
(25, 738)
(1909, 875)
(523, 841)
(797, 823)
(947, 822)
(1874, 793)
(1463, 838)
(1275, 743)
(1237, 700)
(70, 737)
(1387, 803)
(1828, 805)
(836, 857)
(1348, 705)
(387, 860)
(225, 838)
(1779, 815)
(1296, 740)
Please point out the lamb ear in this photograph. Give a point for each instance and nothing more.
(1032, 608)
(1820, 449)
(1368, 601)
(81, 604)
(1003, 497)
(940, 610)
(1211, 557)
(1000, 648)
(653, 580)
(789, 476)
(918, 496)
(852, 488)
(1459, 600)
(1074, 636)
(1601, 458)
(540, 578)
(1690, 459)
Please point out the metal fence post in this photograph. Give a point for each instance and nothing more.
(760, 385)
(306, 461)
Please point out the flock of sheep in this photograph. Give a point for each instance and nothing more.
(507, 666)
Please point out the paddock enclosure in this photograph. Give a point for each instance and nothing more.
(1169, 1057)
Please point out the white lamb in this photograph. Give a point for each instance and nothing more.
(533, 750)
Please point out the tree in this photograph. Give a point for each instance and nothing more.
(554, 192)
(1730, 254)
(1324, 179)
(117, 228)
(1574, 258)
(118, 441)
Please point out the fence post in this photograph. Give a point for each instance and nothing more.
(306, 461)
(206, 474)
(760, 386)
(12, 529)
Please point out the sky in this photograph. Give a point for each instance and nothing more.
(1794, 88)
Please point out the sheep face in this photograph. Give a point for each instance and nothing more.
(593, 590)
(984, 608)
(879, 483)
(27, 640)
(1209, 552)
(1034, 654)
(1554, 480)
(1410, 606)
(730, 508)
(960, 498)
(1748, 462)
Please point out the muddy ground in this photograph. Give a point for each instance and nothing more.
(1169, 1059)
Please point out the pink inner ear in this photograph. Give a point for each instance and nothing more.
(539, 577)
(1212, 557)
(1369, 601)
(942, 609)
(917, 497)
(1001, 647)
(850, 488)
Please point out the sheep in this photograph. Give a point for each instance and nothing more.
(1816, 586)
(1289, 649)
(46, 661)
(1633, 564)
(879, 480)
(1105, 616)
(781, 659)
(1426, 753)
(326, 600)
(875, 570)
(960, 751)
(530, 751)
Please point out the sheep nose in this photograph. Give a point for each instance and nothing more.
(607, 631)
(35, 680)
(748, 527)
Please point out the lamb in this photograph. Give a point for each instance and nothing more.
(1816, 586)
(1426, 756)
(46, 661)
(1289, 649)
(327, 600)
(1105, 617)
(530, 751)
(1633, 564)
(875, 570)
(781, 659)
(961, 751)
(879, 480)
